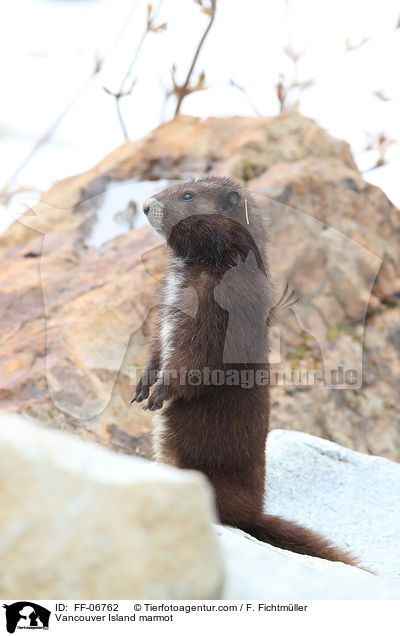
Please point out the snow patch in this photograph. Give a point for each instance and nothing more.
(119, 208)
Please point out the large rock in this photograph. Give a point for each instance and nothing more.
(69, 323)
(71, 306)
(256, 570)
(335, 240)
(352, 498)
(78, 521)
(316, 196)
(242, 146)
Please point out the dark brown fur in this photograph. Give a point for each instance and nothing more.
(219, 430)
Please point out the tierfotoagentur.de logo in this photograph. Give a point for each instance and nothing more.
(26, 615)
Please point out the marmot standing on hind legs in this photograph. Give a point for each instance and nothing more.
(217, 424)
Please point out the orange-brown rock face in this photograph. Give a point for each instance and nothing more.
(76, 316)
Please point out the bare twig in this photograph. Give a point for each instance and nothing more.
(285, 88)
(351, 46)
(123, 90)
(382, 96)
(6, 195)
(380, 144)
(281, 92)
(182, 90)
(118, 96)
(243, 90)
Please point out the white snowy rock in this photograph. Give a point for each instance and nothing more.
(352, 498)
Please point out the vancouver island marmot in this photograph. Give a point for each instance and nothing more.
(213, 327)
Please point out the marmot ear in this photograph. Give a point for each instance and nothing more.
(231, 200)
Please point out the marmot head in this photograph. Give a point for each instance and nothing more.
(213, 221)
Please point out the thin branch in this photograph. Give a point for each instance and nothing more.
(243, 90)
(196, 55)
(122, 91)
(150, 27)
(285, 88)
(181, 91)
(379, 144)
(118, 97)
(6, 195)
(349, 46)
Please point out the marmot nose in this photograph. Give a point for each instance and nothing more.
(146, 208)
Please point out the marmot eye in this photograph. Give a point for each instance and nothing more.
(187, 196)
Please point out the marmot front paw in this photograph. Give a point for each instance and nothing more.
(161, 392)
(142, 392)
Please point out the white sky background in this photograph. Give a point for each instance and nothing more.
(48, 49)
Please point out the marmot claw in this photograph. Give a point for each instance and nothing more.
(142, 393)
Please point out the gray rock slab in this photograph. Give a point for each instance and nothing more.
(255, 570)
(351, 497)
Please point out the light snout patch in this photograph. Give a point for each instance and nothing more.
(155, 214)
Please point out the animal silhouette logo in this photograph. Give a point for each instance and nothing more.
(26, 615)
(287, 300)
(240, 293)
